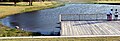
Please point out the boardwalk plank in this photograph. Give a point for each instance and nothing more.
(77, 28)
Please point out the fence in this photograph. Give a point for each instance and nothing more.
(82, 17)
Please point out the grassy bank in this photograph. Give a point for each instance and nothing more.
(6, 10)
(5, 32)
(69, 39)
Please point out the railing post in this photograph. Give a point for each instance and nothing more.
(60, 24)
(96, 17)
(60, 18)
(79, 16)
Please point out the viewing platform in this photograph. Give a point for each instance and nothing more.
(107, 2)
(88, 24)
(79, 28)
(114, 2)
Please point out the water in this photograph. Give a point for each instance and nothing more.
(45, 21)
(5, 21)
(0, 21)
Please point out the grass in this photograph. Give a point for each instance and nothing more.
(12, 32)
(23, 7)
(68, 39)
(7, 32)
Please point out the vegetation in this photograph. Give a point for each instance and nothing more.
(6, 32)
(15, 1)
(23, 7)
(68, 39)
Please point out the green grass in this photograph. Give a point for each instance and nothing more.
(8, 32)
(68, 39)
(23, 7)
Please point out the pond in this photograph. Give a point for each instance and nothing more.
(46, 21)
(32, 21)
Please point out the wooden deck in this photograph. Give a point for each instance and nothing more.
(106, 1)
(78, 28)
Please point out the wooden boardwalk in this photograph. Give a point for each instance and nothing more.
(106, 1)
(78, 28)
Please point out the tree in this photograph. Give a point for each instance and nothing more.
(15, 2)
(43, 0)
(30, 2)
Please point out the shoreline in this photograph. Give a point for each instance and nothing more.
(24, 9)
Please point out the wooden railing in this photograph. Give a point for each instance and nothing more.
(82, 17)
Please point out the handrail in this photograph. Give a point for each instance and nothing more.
(82, 17)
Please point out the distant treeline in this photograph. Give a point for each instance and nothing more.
(21, 0)
(30, 1)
